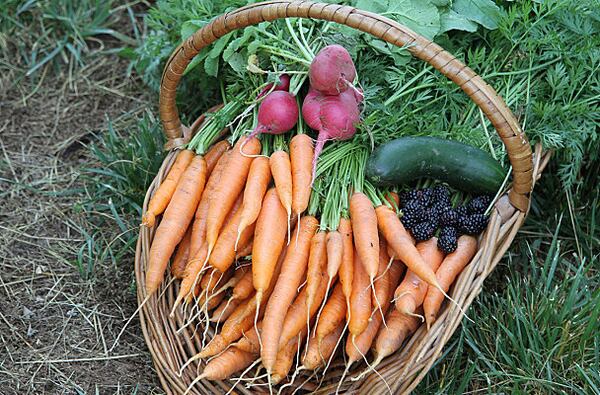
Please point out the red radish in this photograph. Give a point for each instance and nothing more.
(334, 116)
(332, 70)
(311, 109)
(282, 85)
(277, 114)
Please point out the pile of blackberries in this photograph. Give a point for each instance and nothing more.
(424, 211)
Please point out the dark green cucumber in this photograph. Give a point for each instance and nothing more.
(460, 165)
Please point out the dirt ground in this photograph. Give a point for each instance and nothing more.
(57, 329)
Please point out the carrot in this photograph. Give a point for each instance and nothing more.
(269, 239)
(358, 346)
(410, 293)
(366, 237)
(249, 341)
(211, 282)
(317, 265)
(347, 266)
(192, 271)
(318, 352)
(360, 300)
(240, 320)
(301, 153)
(295, 319)
(223, 254)
(175, 222)
(335, 254)
(244, 251)
(233, 179)
(381, 285)
(333, 313)
(229, 362)
(390, 337)
(214, 154)
(293, 269)
(161, 198)
(244, 288)
(450, 268)
(195, 267)
(393, 199)
(281, 169)
(259, 178)
(224, 310)
(181, 256)
(285, 358)
(213, 301)
(200, 217)
(403, 245)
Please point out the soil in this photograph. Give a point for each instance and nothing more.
(57, 329)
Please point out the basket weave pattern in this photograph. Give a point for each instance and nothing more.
(404, 370)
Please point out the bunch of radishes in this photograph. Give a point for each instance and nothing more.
(331, 106)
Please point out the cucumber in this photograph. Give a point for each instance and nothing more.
(460, 165)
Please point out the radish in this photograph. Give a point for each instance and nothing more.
(277, 114)
(332, 70)
(335, 117)
(282, 85)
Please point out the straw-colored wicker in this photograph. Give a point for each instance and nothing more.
(404, 370)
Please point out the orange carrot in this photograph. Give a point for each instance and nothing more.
(366, 237)
(181, 256)
(176, 219)
(317, 266)
(161, 198)
(295, 319)
(403, 245)
(200, 217)
(249, 341)
(281, 169)
(347, 267)
(381, 285)
(214, 154)
(335, 253)
(224, 310)
(318, 353)
(223, 254)
(241, 319)
(333, 313)
(393, 199)
(190, 278)
(301, 153)
(244, 251)
(450, 268)
(233, 178)
(269, 239)
(244, 288)
(285, 358)
(360, 300)
(211, 282)
(229, 362)
(259, 178)
(390, 337)
(293, 269)
(358, 346)
(410, 293)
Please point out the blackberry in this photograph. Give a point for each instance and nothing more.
(413, 206)
(426, 197)
(472, 224)
(479, 204)
(409, 220)
(461, 211)
(423, 231)
(441, 206)
(408, 196)
(449, 217)
(441, 194)
(448, 231)
(447, 244)
(432, 215)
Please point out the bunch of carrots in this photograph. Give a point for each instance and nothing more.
(273, 272)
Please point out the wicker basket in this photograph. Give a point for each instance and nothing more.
(404, 370)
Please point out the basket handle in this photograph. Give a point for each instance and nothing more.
(503, 120)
